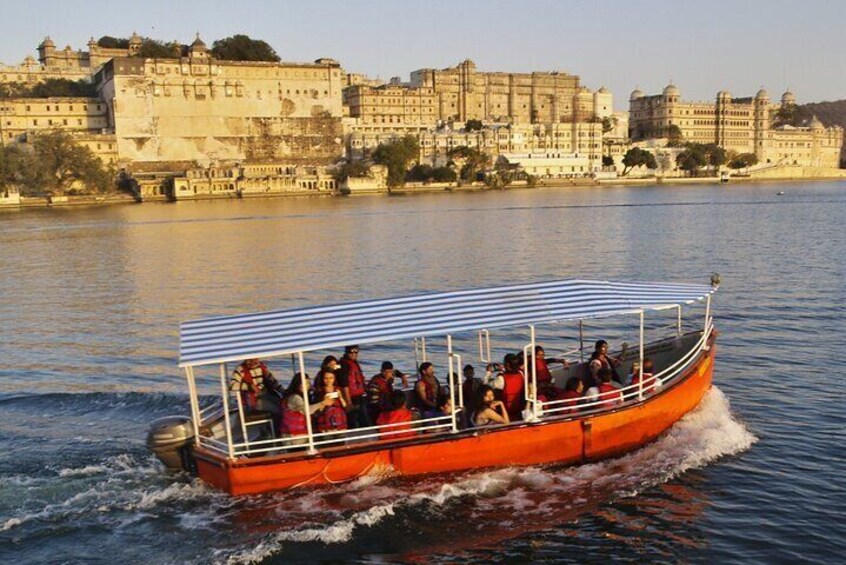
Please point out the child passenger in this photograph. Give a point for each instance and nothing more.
(397, 414)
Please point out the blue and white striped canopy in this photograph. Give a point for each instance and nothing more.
(281, 332)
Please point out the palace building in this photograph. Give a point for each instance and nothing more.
(740, 125)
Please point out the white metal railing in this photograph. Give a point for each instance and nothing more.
(336, 437)
(632, 392)
(245, 447)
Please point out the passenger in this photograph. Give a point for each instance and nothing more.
(330, 363)
(293, 408)
(427, 388)
(591, 379)
(333, 416)
(608, 393)
(489, 410)
(572, 395)
(631, 376)
(444, 408)
(380, 387)
(492, 372)
(649, 381)
(354, 388)
(397, 414)
(544, 375)
(512, 390)
(258, 387)
(601, 353)
(471, 385)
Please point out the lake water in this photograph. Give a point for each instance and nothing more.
(90, 301)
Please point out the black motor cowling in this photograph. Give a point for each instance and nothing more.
(171, 439)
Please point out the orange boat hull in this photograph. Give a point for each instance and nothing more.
(567, 440)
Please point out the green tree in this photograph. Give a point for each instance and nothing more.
(396, 155)
(155, 49)
(692, 159)
(674, 135)
(473, 125)
(59, 162)
(609, 123)
(109, 42)
(353, 169)
(444, 174)
(637, 157)
(743, 160)
(243, 48)
(473, 161)
(607, 161)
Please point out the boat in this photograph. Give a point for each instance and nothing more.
(240, 453)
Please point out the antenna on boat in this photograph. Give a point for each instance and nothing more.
(715, 279)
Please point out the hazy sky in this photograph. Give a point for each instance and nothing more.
(703, 46)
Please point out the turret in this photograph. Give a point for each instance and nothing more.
(46, 51)
(198, 49)
(788, 99)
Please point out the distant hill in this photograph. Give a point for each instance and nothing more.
(829, 113)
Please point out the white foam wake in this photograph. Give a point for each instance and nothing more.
(701, 437)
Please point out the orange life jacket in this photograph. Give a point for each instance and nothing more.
(512, 394)
(648, 381)
(355, 378)
(395, 417)
(542, 371)
(252, 383)
(572, 399)
(293, 421)
(432, 390)
(332, 417)
(610, 394)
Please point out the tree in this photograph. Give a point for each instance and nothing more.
(155, 49)
(474, 161)
(243, 48)
(444, 174)
(61, 162)
(355, 169)
(473, 125)
(109, 42)
(637, 157)
(607, 161)
(609, 123)
(743, 160)
(674, 135)
(396, 155)
(692, 158)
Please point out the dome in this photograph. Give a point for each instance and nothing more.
(636, 93)
(135, 39)
(198, 43)
(671, 90)
(602, 90)
(816, 124)
(47, 42)
(788, 98)
(762, 94)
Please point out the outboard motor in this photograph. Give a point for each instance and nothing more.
(171, 439)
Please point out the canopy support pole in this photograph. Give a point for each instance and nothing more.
(534, 369)
(640, 358)
(240, 403)
(225, 392)
(679, 322)
(423, 349)
(581, 342)
(485, 346)
(311, 450)
(195, 404)
(451, 365)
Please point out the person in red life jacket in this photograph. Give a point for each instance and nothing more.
(600, 353)
(609, 394)
(572, 395)
(591, 377)
(469, 391)
(354, 388)
(333, 416)
(546, 386)
(649, 381)
(380, 387)
(293, 409)
(397, 419)
(488, 410)
(259, 389)
(427, 388)
(512, 390)
(330, 363)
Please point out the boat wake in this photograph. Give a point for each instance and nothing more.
(129, 491)
(506, 498)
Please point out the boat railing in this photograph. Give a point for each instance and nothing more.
(634, 391)
(330, 438)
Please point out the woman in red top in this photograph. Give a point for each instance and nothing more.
(398, 414)
(333, 416)
(572, 395)
(512, 391)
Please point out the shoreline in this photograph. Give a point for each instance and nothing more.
(28, 203)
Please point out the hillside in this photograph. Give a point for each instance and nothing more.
(829, 113)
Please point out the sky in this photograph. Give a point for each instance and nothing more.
(702, 46)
